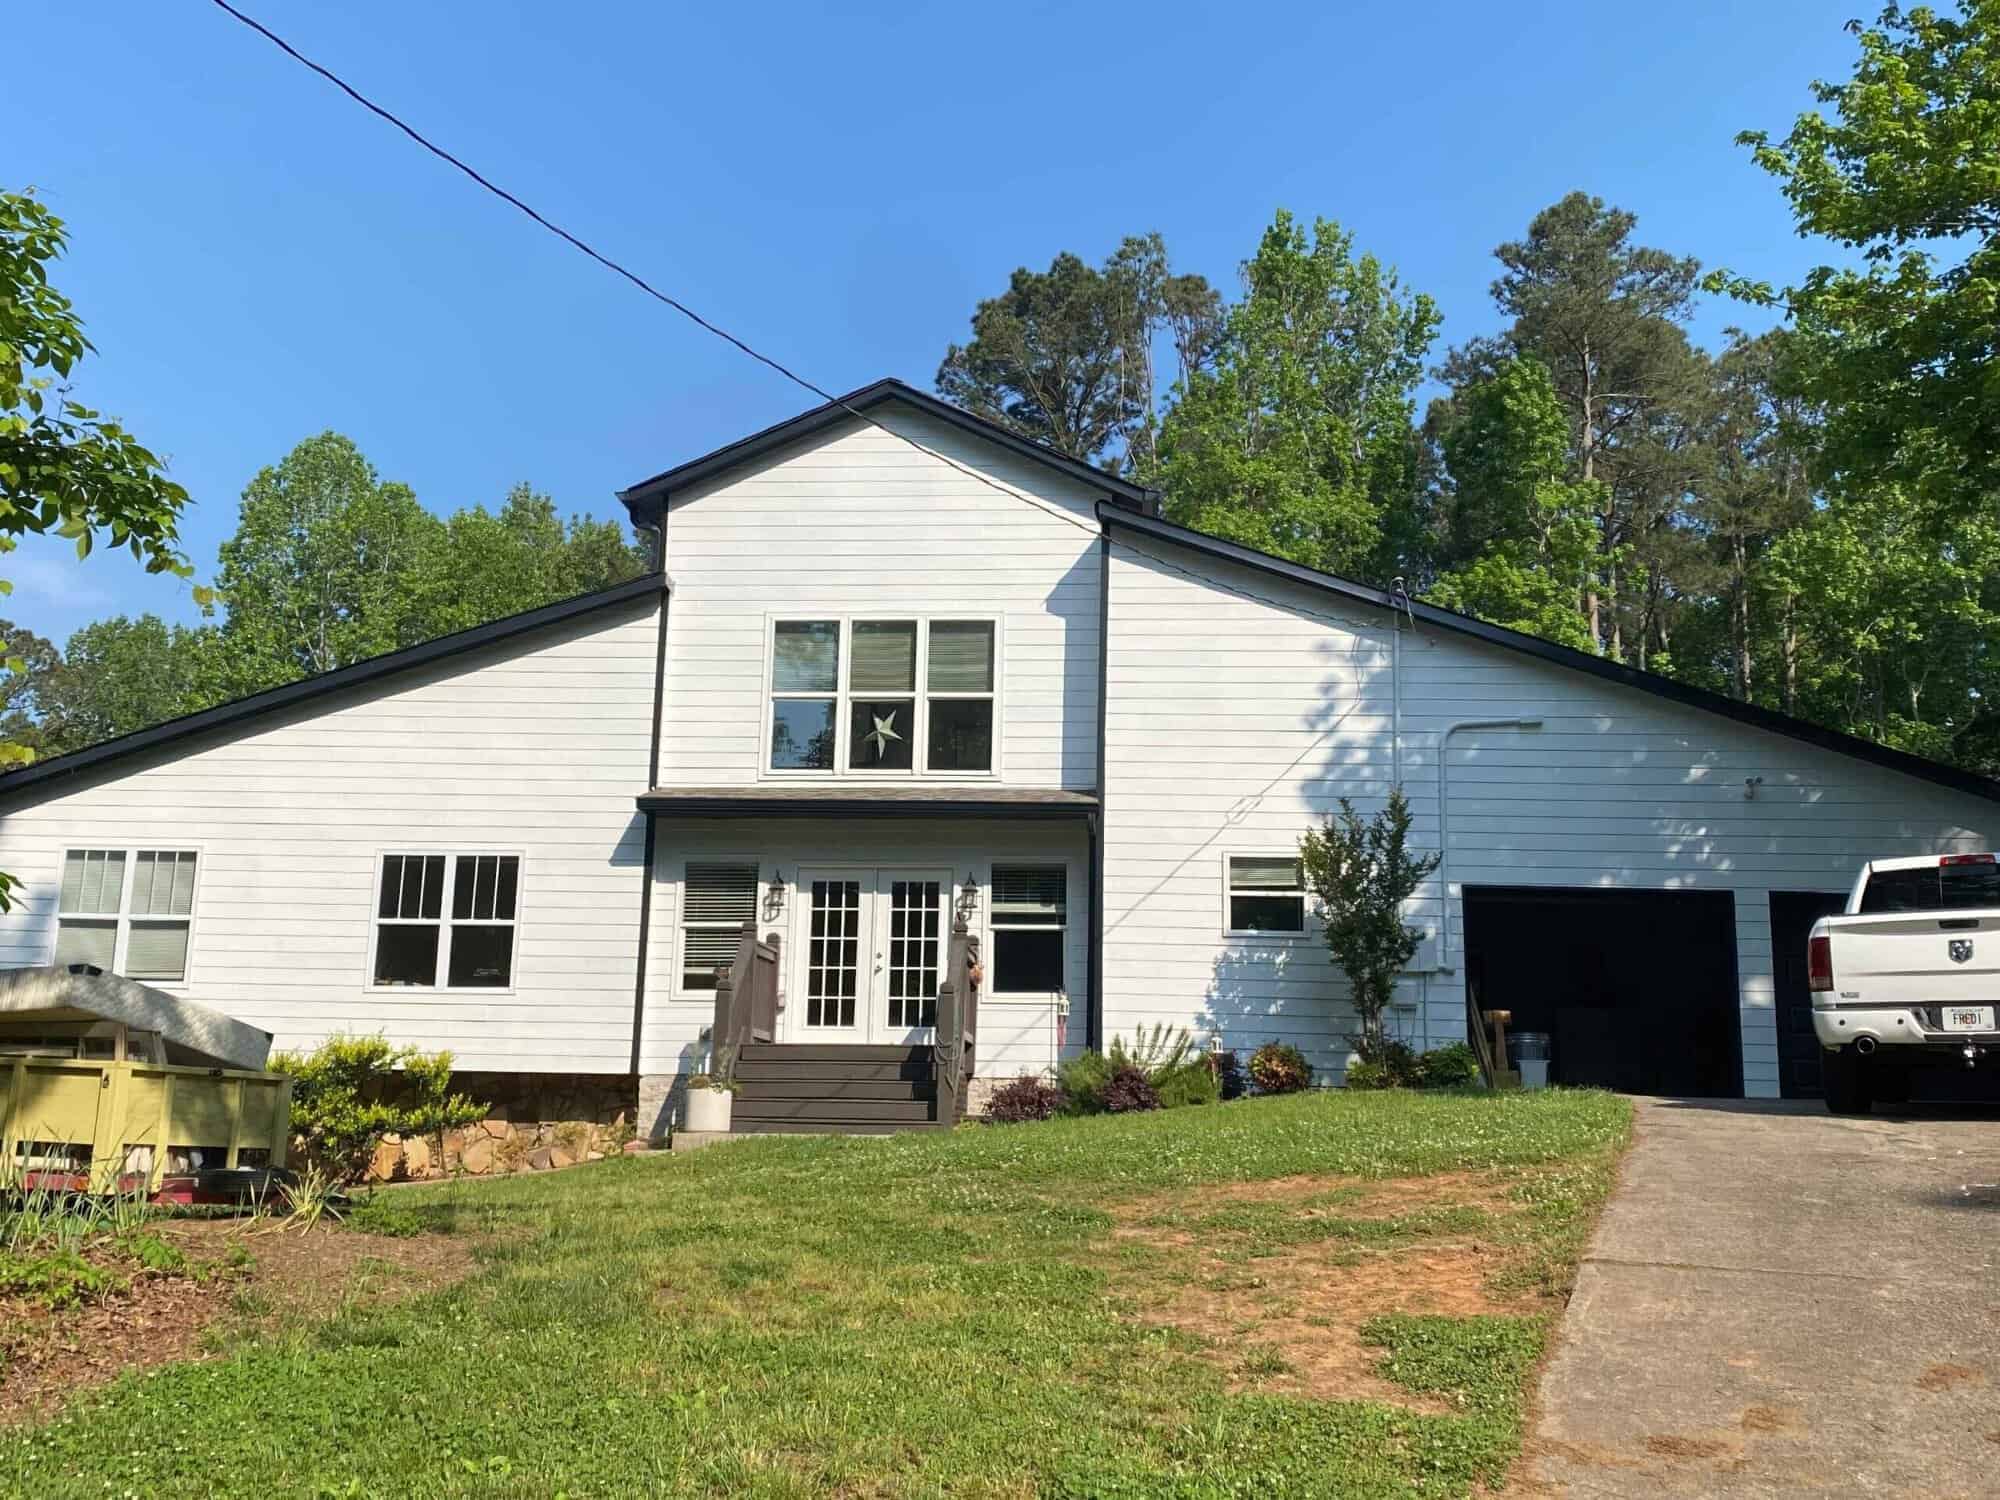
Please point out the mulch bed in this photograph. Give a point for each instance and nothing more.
(48, 1354)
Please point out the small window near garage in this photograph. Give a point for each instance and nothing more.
(1267, 895)
(1030, 910)
(719, 901)
(424, 942)
(127, 912)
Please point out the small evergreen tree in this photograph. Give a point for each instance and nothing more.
(1362, 871)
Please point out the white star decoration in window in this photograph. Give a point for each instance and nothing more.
(883, 734)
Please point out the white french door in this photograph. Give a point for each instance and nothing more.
(871, 948)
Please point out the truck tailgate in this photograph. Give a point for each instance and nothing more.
(1913, 958)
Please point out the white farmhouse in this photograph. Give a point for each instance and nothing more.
(898, 668)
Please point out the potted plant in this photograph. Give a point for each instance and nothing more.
(712, 1095)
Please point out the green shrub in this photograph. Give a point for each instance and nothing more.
(1363, 1074)
(1191, 1083)
(1082, 1079)
(1279, 1068)
(60, 1279)
(353, 1090)
(1452, 1066)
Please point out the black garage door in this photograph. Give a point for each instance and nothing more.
(1792, 916)
(1636, 989)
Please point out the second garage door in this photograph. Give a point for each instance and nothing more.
(1636, 989)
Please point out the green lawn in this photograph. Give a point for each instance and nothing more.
(972, 1314)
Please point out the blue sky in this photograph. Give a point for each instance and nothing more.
(259, 260)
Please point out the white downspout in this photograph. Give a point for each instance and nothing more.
(1444, 810)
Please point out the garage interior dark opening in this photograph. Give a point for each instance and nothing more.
(1635, 989)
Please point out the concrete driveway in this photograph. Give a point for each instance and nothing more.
(1779, 1302)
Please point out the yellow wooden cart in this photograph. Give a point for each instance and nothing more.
(108, 1085)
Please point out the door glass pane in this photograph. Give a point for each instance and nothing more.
(806, 657)
(880, 733)
(885, 657)
(961, 656)
(914, 928)
(802, 734)
(833, 962)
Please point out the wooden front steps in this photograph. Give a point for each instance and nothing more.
(826, 1088)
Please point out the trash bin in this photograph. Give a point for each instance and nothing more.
(1529, 1053)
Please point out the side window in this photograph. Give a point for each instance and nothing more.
(127, 912)
(805, 694)
(717, 902)
(424, 941)
(960, 683)
(1030, 914)
(1267, 894)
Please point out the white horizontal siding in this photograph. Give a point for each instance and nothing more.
(537, 745)
(1282, 703)
(1015, 1035)
(858, 522)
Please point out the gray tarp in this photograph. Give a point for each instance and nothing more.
(180, 1023)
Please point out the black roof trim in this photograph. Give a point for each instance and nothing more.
(1769, 720)
(866, 802)
(273, 699)
(646, 498)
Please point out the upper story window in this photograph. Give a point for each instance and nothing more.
(883, 697)
(128, 912)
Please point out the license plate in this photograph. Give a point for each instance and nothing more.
(1968, 1018)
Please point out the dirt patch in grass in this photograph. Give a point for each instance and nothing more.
(47, 1354)
(1275, 1280)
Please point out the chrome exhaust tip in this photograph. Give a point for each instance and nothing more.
(1865, 1046)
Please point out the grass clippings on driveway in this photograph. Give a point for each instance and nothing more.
(989, 1312)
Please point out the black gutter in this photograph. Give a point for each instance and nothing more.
(647, 499)
(652, 830)
(849, 805)
(1093, 1022)
(1768, 720)
(291, 694)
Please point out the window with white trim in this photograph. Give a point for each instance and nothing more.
(127, 911)
(718, 900)
(1267, 895)
(426, 939)
(1029, 915)
(883, 697)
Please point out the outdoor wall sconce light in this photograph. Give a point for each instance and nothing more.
(774, 897)
(968, 900)
(1750, 785)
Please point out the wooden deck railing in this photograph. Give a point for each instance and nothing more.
(957, 1022)
(746, 1001)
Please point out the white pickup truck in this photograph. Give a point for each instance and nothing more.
(1908, 976)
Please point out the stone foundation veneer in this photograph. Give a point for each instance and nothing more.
(662, 1102)
(534, 1121)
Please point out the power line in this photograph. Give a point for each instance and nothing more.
(613, 266)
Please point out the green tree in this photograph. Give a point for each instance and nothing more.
(481, 565)
(1065, 356)
(121, 675)
(64, 467)
(323, 569)
(1297, 438)
(1361, 871)
(1899, 352)
(1603, 315)
(23, 688)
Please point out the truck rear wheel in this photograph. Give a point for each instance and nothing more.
(1849, 1088)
